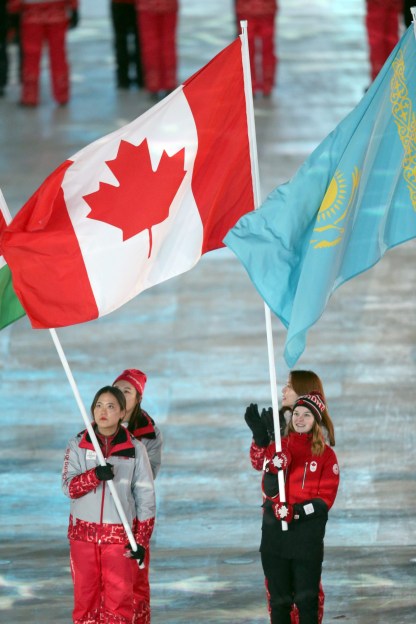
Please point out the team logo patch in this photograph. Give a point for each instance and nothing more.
(335, 469)
(313, 466)
(90, 454)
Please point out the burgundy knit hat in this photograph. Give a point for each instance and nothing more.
(314, 402)
(135, 377)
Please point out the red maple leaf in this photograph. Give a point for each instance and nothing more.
(144, 196)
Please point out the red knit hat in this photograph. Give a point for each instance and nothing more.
(314, 402)
(135, 377)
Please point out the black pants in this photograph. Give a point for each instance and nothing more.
(292, 581)
(3, 46)
(126, 45)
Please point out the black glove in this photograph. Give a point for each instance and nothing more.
(252, 418)
(310, 509)
(73, 19)
(138, 554)
(105, 473)
(267, 420)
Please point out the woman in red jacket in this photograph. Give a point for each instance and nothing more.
(261, 17)
(299, 382)
(44, 21)
(292, 560)
(157, 22)
(382, 22)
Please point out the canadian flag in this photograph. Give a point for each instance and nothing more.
(138, 206)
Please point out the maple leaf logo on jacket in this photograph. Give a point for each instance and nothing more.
(155, 189)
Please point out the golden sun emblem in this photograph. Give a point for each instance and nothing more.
(329, 228)
(334, 197)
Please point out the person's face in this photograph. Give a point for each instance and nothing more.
(107, 414)
(130, 392)
(302, 419)
(289, 396)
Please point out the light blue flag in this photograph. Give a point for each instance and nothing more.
(352, 199)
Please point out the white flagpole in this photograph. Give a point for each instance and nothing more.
(413, 12)
(97, 448)
(92, 435)
(257, 200)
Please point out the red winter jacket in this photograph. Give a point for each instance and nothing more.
(311, 484)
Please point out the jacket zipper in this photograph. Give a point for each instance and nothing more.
(304, 474)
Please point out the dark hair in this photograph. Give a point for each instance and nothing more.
(137, 419)
(117, 394)
(305, 381)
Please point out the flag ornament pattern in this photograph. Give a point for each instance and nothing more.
(139, 205)
(352, 199)
(10, 307)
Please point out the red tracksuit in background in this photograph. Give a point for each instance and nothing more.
(44, 21)
(261, 15)
(382, 21)
(157, 21)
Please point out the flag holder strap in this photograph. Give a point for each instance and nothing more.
(257, 201)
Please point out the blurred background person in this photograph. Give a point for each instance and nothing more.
(40, 22)
(157, 20)
(126, 44)
(261, 17)
(4, 65)
(382, 22)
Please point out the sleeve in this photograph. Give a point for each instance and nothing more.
(329, 482)
(154, 451)
(76, 483)
(142, 485)
(143, 532)
(257, 455)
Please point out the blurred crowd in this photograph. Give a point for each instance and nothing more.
(145, 42)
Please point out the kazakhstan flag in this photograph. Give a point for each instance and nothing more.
(352, 199)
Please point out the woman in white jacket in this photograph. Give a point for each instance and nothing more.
(102, 563)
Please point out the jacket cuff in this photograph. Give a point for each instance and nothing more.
(83, 483)
(143, 531)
